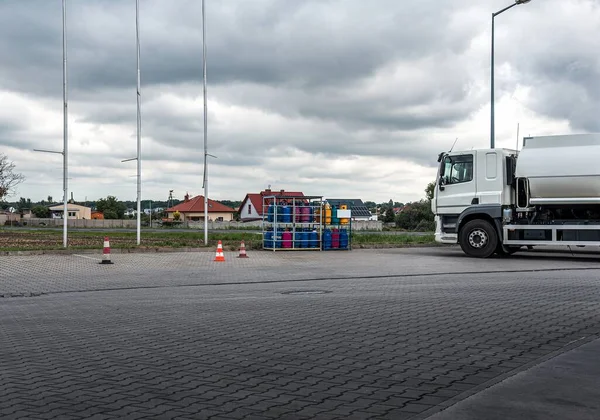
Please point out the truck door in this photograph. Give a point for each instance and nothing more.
(457, 188)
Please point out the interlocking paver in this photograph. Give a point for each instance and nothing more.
(213, 341)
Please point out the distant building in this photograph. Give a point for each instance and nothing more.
(192, 209)
(75, 212)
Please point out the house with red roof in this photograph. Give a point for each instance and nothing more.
(192, 210)
(252, 205)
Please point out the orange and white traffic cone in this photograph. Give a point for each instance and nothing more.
(243, 251)
(106, 252)
(220, 257)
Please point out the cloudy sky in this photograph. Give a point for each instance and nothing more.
(340, 98)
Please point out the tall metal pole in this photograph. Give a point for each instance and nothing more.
(139, 124)
(65, 129)
(205, 128)
(492, 122)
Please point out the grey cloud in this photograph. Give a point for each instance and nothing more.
(311, 62)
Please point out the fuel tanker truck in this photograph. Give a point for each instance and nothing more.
(498, 201)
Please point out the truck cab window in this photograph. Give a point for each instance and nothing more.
(458, 169)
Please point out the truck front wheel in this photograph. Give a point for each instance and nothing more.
(478, 239)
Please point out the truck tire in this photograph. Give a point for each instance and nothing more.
(478, 239)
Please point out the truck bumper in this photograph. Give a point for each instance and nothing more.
(444, 237)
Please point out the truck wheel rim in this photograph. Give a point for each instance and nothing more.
(478, 238)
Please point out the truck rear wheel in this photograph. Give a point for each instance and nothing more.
(478, 239)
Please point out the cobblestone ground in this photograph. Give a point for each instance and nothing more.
(62, 273)
(365, 334)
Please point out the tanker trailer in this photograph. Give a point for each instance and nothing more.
(546, 194)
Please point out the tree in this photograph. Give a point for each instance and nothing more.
(389, 215)
(9, 179)
(416, 216)
(176, 215)
(429, 190)
(24, 203)
(111, 208)
(41, 212)
(50, 199)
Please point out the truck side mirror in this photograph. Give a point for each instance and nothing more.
(441, 183)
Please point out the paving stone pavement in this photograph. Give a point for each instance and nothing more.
(23, 275)
(250, 339)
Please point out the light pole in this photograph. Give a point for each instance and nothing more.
(492, 123)
(65, 128)
(139, 123)
(138, 158)
(65, 152)
(205, 178)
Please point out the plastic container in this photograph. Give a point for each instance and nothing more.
(299, 218)
(316, 210)
(327, 214)
(313, 239)
(271, 213)
(304, 239)
(287, 214)
(327, 239)
(335, 239)
(297, 239)
(344, 221)
(334, 218)
(302, 214)
(343, 239)
(268, 243)
(286, 239)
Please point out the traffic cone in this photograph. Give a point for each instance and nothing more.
(106, 252)
(243, 251)
(220, 257)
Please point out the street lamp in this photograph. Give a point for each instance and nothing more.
(65, 152)
(138, 157)
(492, 125)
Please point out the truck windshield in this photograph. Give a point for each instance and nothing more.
(458, 169)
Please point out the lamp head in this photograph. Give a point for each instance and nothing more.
(522, 1)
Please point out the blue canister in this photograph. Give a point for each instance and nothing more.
(304, 239)
(271, 213)
(313, 239)
(298, 239)
(343, 239)
(327, 239)
(287, 214)
(268, 239)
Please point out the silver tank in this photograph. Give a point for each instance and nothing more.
(561, 169)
